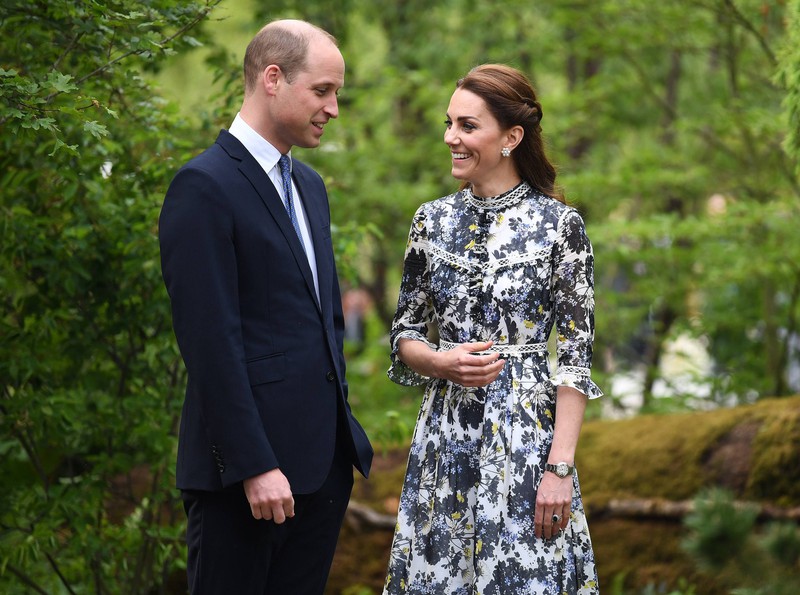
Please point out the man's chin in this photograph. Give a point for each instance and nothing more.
(309, 143)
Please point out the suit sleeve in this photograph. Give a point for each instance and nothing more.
(199, 264)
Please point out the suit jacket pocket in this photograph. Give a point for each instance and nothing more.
(269, 368)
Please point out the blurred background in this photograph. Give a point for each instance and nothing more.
(676, 129)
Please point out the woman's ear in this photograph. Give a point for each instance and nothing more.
(514, 137)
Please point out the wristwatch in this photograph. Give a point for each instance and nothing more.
(560, 469)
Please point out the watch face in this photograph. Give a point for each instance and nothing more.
(562, 469)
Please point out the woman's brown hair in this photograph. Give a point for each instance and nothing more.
(511, 99)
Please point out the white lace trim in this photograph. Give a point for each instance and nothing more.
(491, 266)
(450, 258)
(500, 201)
(574, 370)
(507, 349)
(517, 259)
(414, 335)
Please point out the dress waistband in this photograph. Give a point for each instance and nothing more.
(504, 348)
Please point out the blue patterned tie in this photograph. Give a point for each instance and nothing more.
(285, 164)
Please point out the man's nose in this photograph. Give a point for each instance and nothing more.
(332, 109)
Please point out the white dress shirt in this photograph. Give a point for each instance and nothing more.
(267, 157)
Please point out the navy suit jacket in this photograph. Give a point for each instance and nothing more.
(266, 372)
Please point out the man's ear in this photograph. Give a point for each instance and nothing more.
(271, 78)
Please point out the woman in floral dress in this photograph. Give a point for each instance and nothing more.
(491, 503)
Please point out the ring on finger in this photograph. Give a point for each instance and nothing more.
(556, 518)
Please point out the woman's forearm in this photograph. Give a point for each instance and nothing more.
(467, 364)
(570, 408)
(418, 356)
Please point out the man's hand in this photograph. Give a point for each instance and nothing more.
(270, 496)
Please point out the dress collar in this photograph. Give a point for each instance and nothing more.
(500, 201)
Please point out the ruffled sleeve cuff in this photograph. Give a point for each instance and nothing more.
(399, 372)
(577, 378)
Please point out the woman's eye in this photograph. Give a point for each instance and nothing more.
(448, 123)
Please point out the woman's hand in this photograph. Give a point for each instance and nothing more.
(461, 365)
(554, 497)
(464, 366)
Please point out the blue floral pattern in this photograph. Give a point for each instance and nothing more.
(478, 270)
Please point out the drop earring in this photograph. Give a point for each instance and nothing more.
(505, 151)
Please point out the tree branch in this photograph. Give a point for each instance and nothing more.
(191, 24)
(26, 580)
(744, 22)
(362, 516)
(56, 569)
(68, 49)
(658, 508)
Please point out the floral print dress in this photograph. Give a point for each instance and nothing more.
(504, 269)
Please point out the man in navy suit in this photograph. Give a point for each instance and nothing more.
(267, 440)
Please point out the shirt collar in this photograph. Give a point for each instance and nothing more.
(259, 147)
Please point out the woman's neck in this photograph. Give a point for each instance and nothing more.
(495, 187)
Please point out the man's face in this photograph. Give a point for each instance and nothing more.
(303, 107)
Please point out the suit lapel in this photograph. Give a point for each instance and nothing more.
(314, 206)
(265, 189)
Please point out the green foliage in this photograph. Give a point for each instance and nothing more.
(788, 76)
(719, 529)
(91, 378)
(675, 126)
(725, 540)
(386, 410)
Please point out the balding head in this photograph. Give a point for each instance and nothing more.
(284, 43)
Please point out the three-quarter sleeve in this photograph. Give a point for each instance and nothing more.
(414, 307)
(573, 294)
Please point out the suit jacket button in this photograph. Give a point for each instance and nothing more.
(330, 376)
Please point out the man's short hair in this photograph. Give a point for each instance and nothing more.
(281, 45)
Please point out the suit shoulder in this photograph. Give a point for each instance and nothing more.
(303, 169)
(209, 160)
